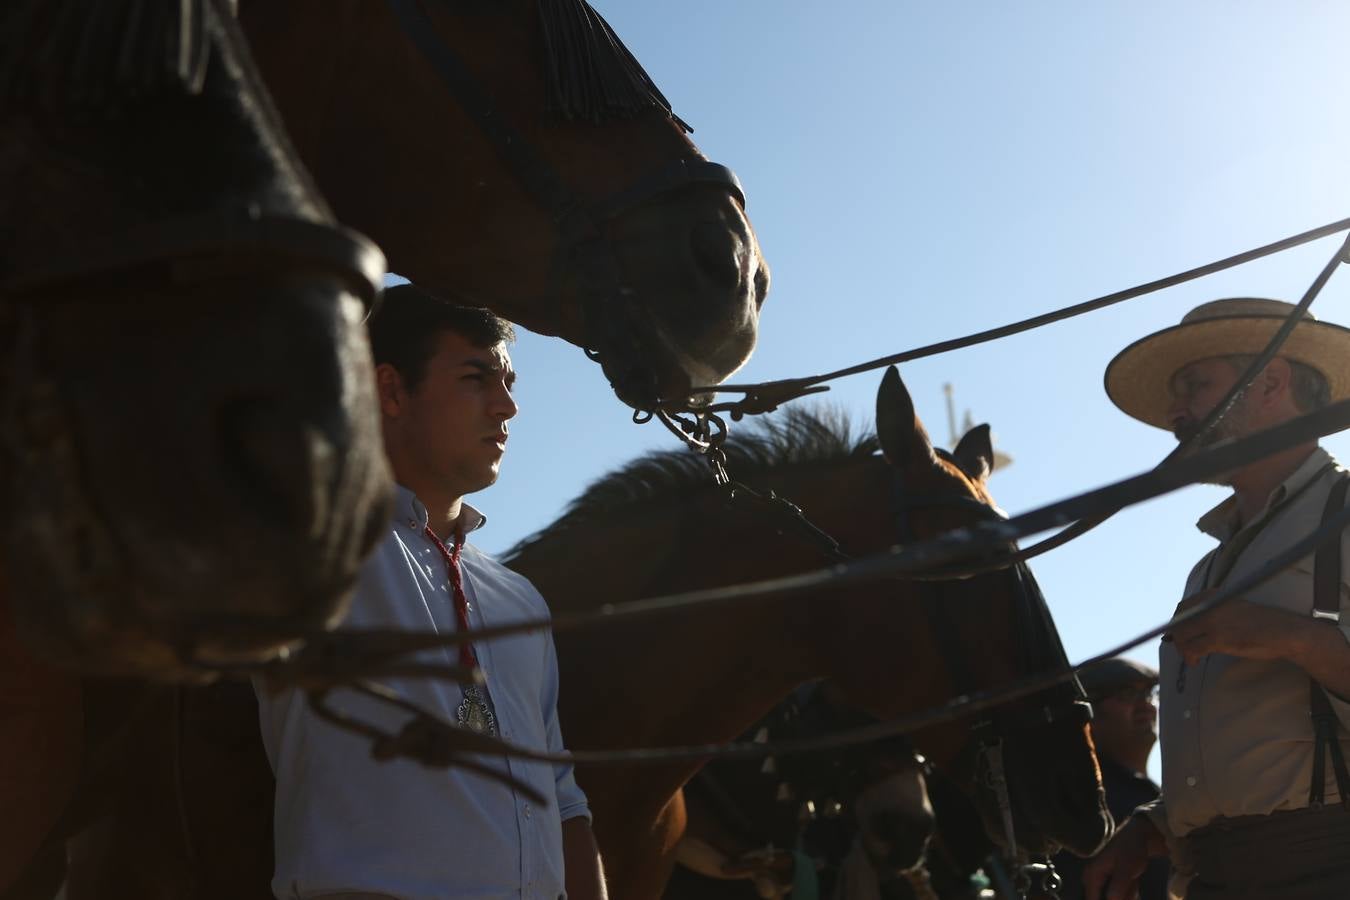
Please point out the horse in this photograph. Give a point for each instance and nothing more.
(679, 236)
(766, 828)
(190, 464)
(517, 154)
(191, 458)
(661, 525)
(191, 812)
(550, 180)
(876, 820)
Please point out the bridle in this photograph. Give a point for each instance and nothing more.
(612, 324)
(1039, 649)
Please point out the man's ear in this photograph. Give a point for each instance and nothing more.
(1276, 380)
(390, 389)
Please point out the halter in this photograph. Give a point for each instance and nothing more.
(1039, 648)
(611, 327)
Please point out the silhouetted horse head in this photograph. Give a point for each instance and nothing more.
(989, 630)
(516, 153)
(191, 458)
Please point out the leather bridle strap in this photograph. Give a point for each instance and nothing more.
(198, 248)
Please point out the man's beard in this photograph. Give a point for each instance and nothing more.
(1231, 427)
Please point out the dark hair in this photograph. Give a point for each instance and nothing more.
(1307, 386)
(404, 327)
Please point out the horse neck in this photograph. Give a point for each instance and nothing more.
(704, 674)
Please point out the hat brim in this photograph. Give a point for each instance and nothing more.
(1139, 379)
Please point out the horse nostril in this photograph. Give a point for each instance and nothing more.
(717, 253)
(279, 459)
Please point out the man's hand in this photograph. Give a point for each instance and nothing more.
(1237, 627)
(584, 875)
(1121, 863)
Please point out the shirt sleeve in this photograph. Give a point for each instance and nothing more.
(571, 800)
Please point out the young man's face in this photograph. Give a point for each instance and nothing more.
(454, 424)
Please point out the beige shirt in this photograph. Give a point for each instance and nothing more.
(1236, 735)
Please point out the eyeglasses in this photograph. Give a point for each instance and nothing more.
(1144, 694)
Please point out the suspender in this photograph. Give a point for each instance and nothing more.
(1327, 605)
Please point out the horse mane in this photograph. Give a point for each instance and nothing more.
(590, 74)
(794, 437)
(65, 55)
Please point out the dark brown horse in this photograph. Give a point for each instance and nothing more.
(660, 525)
(190, 458)
(690, 282)
(187, 816)
(476, 163)
(152, 193)
(758, 827)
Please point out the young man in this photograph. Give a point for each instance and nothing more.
(1124, 730)
(1239, 812)
(349, 826)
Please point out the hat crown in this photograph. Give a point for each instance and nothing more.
(1243, 308)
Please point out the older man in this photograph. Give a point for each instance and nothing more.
(1250, 692)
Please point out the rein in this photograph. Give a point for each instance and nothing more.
(338, 656)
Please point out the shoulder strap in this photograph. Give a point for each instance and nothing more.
(1327, 605)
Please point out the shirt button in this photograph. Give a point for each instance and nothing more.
(1191, 780)
(527, 810)
(1185, 713)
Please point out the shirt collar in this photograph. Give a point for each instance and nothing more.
(1221, 521)
(409, 511)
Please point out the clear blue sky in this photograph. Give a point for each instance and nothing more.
(918, 171)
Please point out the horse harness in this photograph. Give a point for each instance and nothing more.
(1040, 648)
(610, 325)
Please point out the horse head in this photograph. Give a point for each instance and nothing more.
(976, 634)
(517, 154)
(191, 457)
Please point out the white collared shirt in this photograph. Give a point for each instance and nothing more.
(1236, 735)
(345, 822)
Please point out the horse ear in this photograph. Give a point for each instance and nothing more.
(975, 453)
(902, 438)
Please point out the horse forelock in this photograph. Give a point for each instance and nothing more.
(61, 55)
(590, 75)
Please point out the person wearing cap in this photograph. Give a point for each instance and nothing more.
(1250, 806)
(1124, 730)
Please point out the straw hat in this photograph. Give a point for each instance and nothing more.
(1139, 379)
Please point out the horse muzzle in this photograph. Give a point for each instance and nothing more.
(195, 478)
